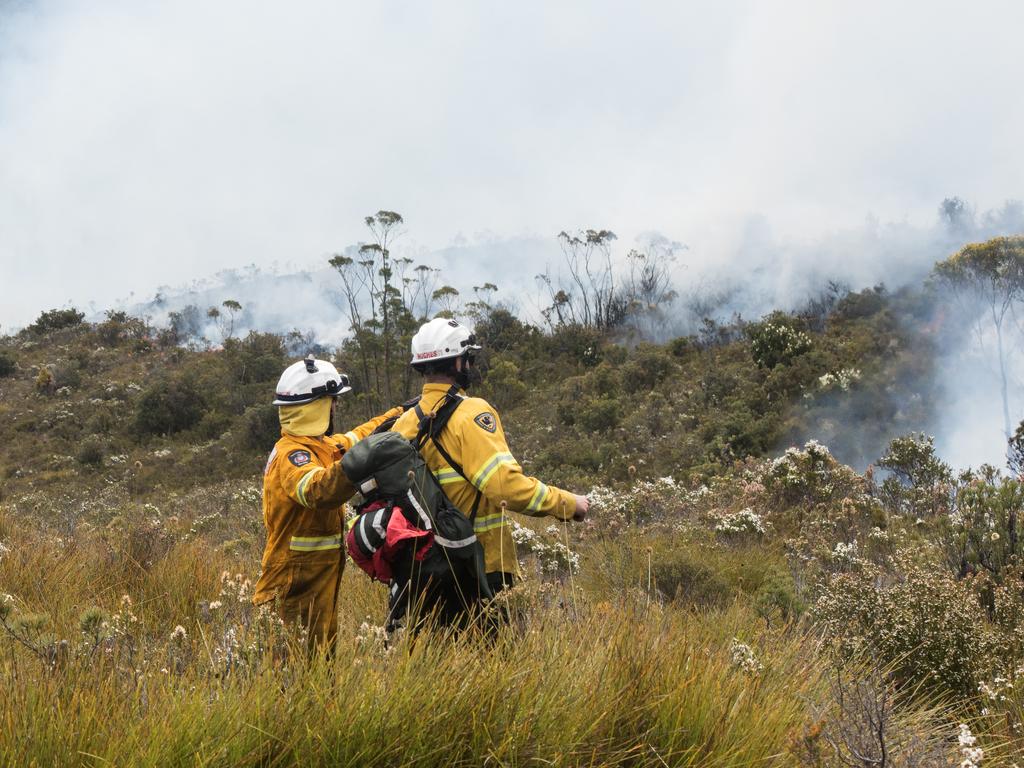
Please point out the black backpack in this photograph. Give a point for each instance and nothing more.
(392, 478)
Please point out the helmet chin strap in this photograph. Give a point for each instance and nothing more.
(464, 375)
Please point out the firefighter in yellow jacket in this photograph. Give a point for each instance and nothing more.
(304, 489)
(487, 482)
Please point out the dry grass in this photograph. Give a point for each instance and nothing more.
(619, 681)
(602, 676)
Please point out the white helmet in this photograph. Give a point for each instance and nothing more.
(309, 379)
(441, 338)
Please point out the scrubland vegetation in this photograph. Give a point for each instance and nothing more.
(727, 602)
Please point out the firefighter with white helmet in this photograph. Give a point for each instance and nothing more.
(470, 456)
(304, 489)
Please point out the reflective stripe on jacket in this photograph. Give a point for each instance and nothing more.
(475, 439)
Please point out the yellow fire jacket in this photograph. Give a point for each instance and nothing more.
(304, 488)
(475, 439)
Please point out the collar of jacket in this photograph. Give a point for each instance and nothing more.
(432, 394)
(308, 419)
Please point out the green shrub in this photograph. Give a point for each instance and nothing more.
(866, 303)
(927, 625)
(169, 406)
(777, 597)
(8, 364)
(90, 452)
(984, 529)
(682, 346)
(776, 342)
(259, 357)
(577, 342)
(101, 422)
(678, 575)
(67, 375)
(919, 483)
(505, 383)
(119, 327)
(648, 368)
(599, 414)
(808, 477)
(213, 424)
(261, 427)
(501, 331)
(56, 319)
(656, 414)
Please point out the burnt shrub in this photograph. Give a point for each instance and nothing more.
(168, 406)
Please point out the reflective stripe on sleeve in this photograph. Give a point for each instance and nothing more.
(300, 489)
(488, 522)
(481, 478)
(539, 497)
(447, 475)
(315, 543)
(352, 438)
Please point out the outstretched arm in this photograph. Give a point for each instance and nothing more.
(493, 470)
(354, 435)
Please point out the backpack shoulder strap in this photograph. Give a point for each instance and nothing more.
(431, 426)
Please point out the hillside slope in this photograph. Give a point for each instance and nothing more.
(719, 607)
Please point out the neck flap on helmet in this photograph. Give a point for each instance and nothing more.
(308, 419)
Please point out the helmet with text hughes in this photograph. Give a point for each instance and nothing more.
(308, 380)
(441, 339)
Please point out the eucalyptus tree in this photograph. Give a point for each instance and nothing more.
(988, 279)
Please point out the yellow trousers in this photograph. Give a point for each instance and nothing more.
(307, 595)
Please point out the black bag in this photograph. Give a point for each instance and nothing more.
(441, 565)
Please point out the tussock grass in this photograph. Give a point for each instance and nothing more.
(612, 686)
(584, 681)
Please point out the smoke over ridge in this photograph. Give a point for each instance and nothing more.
(763, 274)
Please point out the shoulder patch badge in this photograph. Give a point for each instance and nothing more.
(487, 421)
(300, 458)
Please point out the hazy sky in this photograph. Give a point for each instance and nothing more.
(144, 143)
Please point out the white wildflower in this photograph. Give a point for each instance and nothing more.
(972, 755)
(744, 521)
(744, 658)
(845, 553)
